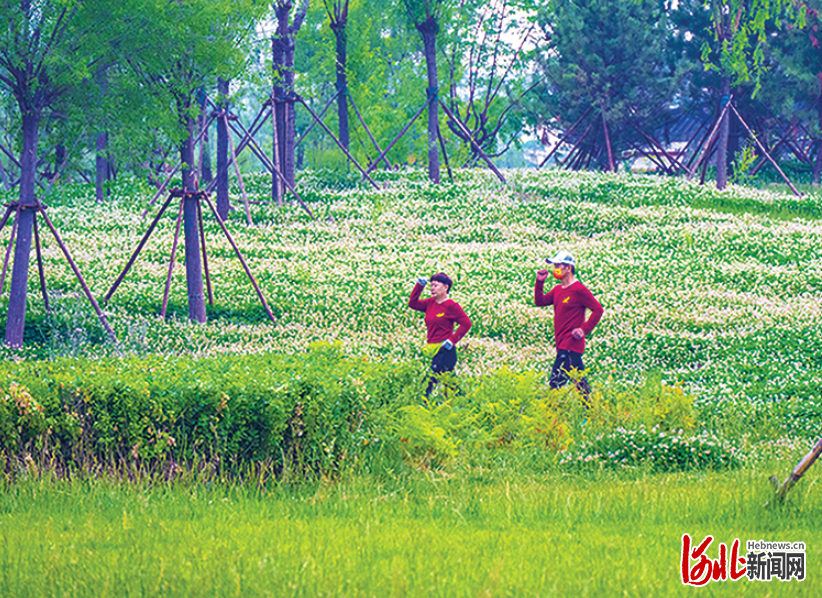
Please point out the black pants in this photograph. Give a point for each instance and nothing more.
(564, 363)
(445, 360)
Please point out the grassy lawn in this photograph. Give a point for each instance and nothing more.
(459, 533)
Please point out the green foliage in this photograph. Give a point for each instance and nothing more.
(314, 414)
(304, 414)
(655, 449)
(510, 411)
(605, 60)
(740, 30)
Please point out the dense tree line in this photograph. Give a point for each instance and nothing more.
(603, 75)
(95, 88)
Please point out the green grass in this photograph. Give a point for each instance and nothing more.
(466, 533)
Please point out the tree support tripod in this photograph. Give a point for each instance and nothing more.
(190, 199)
(26, 223)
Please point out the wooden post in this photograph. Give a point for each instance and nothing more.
(797, 473)
(767, 155)
(239, 176)
(710, 139)
(465, 131)
(173, 255)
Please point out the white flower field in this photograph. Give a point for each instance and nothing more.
(724, 301)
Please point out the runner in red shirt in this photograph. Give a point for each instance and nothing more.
(441, 314)
(570, 299)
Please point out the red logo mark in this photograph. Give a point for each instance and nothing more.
(706, 569)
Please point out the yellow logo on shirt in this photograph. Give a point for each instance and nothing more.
(565, 300)
(441, 315)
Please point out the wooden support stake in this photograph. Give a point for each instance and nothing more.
(239, 256)
(275, 152)
(611, 165)
(76, 271)
(374, 141)
(444, 153)
(399, 135)
(797, 473)
(765, 151)
(139, 247)
(9, 248)
(466, 132)
(710, 141)
(173, 255)
(205, 253)
(237, 170)
(565, 136)
(322, 115)
(9, 210)
(273, 169)
(655, 144)
(567, 162)
(337, 141)
(40, 269)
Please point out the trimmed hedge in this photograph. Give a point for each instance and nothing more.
(306, 412)
(316, 413)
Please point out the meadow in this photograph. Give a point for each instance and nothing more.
(706, 368)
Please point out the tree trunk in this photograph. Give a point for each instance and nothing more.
(59, 159)
(817, 165)
(222, 152)
(342, 83)
(279, 60)
(194, 269)
(101, 164)
(722, 142)
(205, 165)
(290, 116)
(429, 29)
(16, 321)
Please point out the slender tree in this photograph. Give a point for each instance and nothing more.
(337, 11)
(736, 53)
(190, 43)
(427, 16)
(487, 52)
(47, 48)
(288, 22)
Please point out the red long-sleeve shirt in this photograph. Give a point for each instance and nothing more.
(440, 317)
(569, 312)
